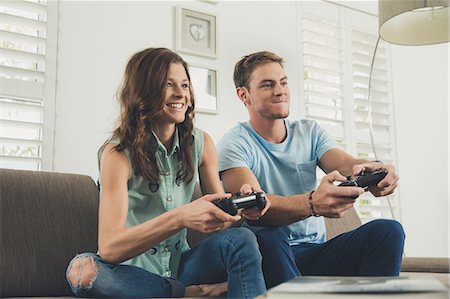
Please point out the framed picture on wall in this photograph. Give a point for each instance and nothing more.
(204, 82)
(196, 32)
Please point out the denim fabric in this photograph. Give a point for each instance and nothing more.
(374, 249)
(231, 255)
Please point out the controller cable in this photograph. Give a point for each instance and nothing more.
(370, 119)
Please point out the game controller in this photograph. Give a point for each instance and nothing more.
(365, 179)
(233, 204)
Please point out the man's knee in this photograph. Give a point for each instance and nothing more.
(390, 228)
(82, 272)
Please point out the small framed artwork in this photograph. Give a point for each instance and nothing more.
(204, 83)
(196, 32)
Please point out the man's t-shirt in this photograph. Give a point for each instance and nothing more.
(285, 169)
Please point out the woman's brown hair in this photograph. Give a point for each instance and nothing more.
(141, 98)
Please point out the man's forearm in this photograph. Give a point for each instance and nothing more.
(285, 210)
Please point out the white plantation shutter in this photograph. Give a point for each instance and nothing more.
(26, 83)
(324, 75)
(363, 45)
(337, 47)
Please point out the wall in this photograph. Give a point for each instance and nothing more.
(421, 92)
(97, 38)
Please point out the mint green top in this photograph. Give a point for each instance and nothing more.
(146, 201)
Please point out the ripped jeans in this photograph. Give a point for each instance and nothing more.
(231, 255)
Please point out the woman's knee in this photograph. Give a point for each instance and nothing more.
(271, 235)
(82, 271)
(240, 237)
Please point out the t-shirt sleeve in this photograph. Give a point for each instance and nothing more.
(324, 141)
(233, 152)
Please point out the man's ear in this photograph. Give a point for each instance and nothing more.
(243, 95)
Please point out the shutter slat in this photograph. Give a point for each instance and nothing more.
(22, 89)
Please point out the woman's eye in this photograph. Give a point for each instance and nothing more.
(169, 84)
(185, 85)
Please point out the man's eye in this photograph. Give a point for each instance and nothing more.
(284, 83)
(267, 85)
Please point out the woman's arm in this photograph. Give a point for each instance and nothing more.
(209, 168)
(118, 243)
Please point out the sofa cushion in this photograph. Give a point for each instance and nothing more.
(46, 218)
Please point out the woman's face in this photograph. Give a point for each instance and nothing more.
(177, 94)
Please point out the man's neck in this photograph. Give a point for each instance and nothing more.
(272, 130)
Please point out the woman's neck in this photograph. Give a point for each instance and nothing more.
(165, 134)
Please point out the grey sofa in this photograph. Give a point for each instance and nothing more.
(46, 218)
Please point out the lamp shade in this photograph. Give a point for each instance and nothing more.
(414, 22)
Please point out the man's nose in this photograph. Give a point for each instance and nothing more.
(280, 89)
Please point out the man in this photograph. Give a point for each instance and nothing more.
(280, 157)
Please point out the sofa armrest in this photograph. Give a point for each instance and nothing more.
(425, 264)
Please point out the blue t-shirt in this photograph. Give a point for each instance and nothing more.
(285, 168)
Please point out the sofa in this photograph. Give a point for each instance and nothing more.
(46, 218)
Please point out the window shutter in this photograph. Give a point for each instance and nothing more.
(23, 78)
(363, 45)
(324, 75)
(337, 47)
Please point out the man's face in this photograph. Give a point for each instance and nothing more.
(268, 92)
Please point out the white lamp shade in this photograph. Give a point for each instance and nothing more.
(414, 22)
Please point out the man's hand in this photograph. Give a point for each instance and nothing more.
(333, 201)
(253, 213)
(387, 185)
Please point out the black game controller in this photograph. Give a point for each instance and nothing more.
(233, 204)
(365, 179)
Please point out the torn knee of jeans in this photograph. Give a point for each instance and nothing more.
(83, 272)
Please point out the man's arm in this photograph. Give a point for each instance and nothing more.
(328, 200)
(337, 159)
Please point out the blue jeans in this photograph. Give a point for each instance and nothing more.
(373, 249)
(231, 255)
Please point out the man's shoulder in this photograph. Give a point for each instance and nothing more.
(239, 132)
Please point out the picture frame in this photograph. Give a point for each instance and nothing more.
(196, 32)
(204, 82)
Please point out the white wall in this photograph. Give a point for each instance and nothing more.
(97, 38)
(421, 92)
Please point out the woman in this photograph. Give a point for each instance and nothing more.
(148, 170)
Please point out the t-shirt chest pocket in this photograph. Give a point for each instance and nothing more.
(307, 173)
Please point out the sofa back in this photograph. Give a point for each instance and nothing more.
(46, 218)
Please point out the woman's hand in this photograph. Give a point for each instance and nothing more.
(253, 213)
(204, 216)
(207, 290)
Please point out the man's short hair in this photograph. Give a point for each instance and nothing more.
(245, 67)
